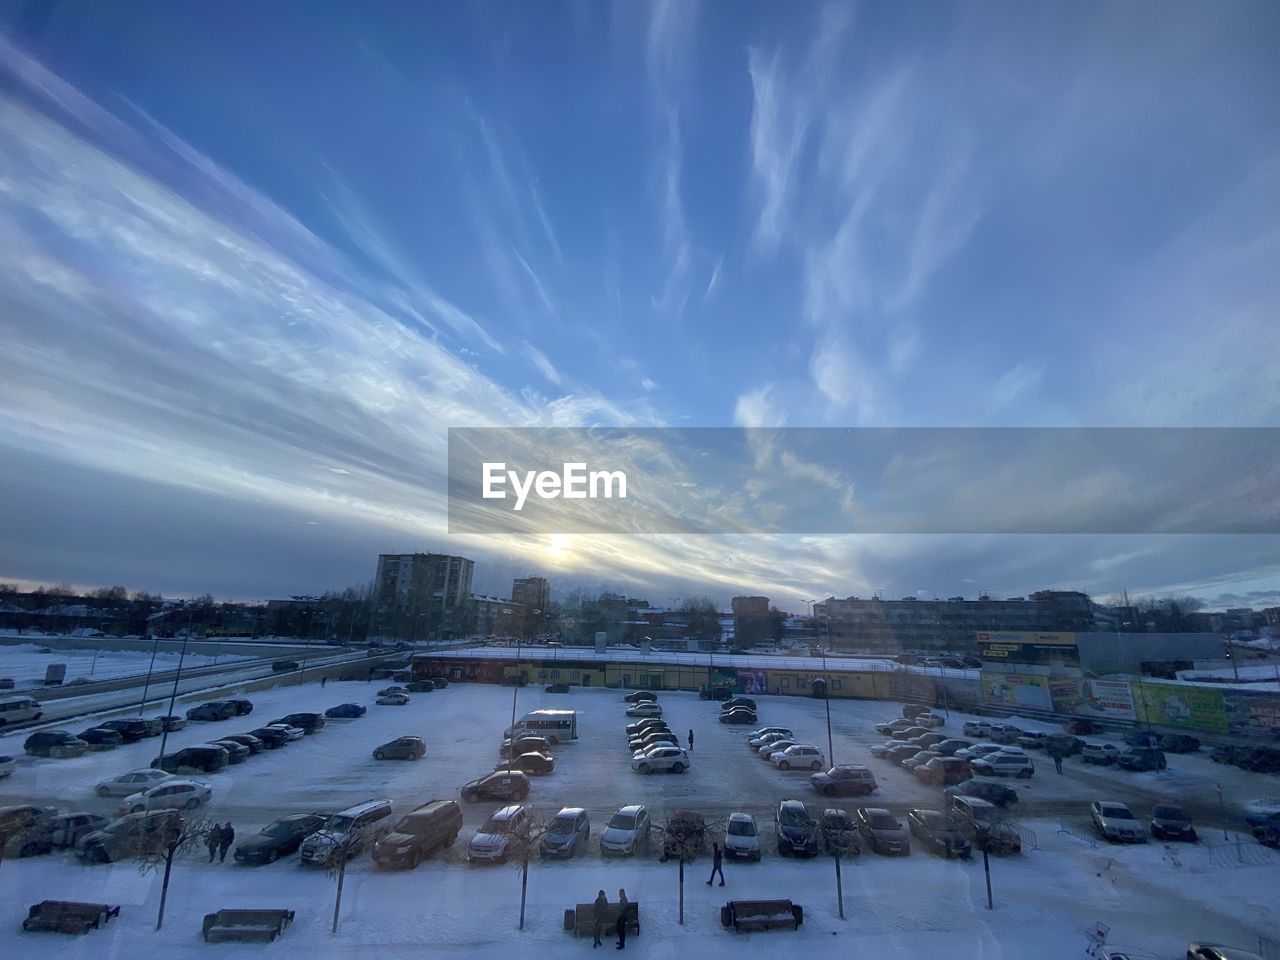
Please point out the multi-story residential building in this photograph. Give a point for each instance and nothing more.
(534, 595)
(751, 624)
(421, 596)
(495, 617)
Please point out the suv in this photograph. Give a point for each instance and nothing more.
(1099, 753)
(310, 722)
(1003, 764)
(943, 771)
(1033, 740)
(800, 755)
(54, 743)
(273, 738)
(352, 830)
(662, 756)
(499, 785)
(882, 832)
(129, 836)
(1142, 758)
(131, 730)
(493, 841)
(570, 827)
(627, 831)
(214, 710)
(844, 781)
(797, 833)
(418, 834)
(402, 748)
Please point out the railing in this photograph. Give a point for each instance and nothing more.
(1074, 828)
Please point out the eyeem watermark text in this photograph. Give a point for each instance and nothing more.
(573, 482)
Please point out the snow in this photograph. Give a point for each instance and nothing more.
(1152, 896)
(26, 664)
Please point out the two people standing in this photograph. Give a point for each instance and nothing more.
(600, 916)
(219, 840)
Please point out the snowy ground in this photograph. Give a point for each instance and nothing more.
(1151, 896)
(26, 664)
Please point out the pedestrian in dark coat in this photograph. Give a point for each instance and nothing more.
(224, 844)
(717, 864)
(622, 919)
(212, 840)
(1057, 759)
(691, 741)
(599, 914)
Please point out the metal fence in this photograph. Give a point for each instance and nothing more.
(1080, 829)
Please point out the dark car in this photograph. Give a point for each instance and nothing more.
(202, 758)
(279, 839)
(570, 828)
(739, 715)
(402, 748)
(129, 836)
(420, 686)
(882, 833)
(797, 832)
(310, 722)
(988, 790)
(900, 753)
(101, 738)
(640, 695)
(838, 833)
(271, 739)
(242, 707)
(499, 785)
(346, 711)
(525, 744)
(418, 834)
(1179, 743)
(132, 729)
(715, 693)
(212, 711)
(556, 688)
(938, 834)
(1080, 727)
(913, 710)
(236, 752)
(531, 762)
(646, 724)
(948, 747)
(54, 743)
(285, 666)
(1265, 827)
(1170, 822)
(943, 771)
(738, 702)
(247, 740)
(440, 682)
(636, 744)
(1063, 745)
(1142, 758)
(844, 781)
(171, 723)
(1142, 738)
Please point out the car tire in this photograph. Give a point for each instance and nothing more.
(644, 768)
(519, 795)
(104, 791)
(677, 768)
(414, 859)
(815, 766)
(192, 803)
(273, 856)
(379, 755)
(783, 765)
(471, 797)
(828, 791)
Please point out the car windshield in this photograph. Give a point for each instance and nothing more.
(562, 825)
(934, 820)
(883, 821)
(1117, 813)
(1163, 811)
(281, 829)
(496, 825)
(622, 821)
(741, 828)
(791, 817)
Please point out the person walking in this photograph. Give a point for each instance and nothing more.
(224, 843)
(1057, 759)
(622, 919)
(717, 864)
(691, 741)
(599, 914)
(323, 681)
(212, 840)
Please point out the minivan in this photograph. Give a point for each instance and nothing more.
(201, 758)
(418, 834)
(352, 830)
(19, 710)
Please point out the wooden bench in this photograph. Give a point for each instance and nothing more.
(582, 919)
(250, 926)
(66, 916)
(746, 915)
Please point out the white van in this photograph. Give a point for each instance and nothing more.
(19, 710)
(353, 830)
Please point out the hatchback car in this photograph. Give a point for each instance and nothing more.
(567, 830)
(346, 711)
(531, 762)
(279, 838)
(401, 748)
(669, 757)
(499, 785)
(741, 837)
(504, 828)
(176, 794)
(627, 831)
(1116, 822)
(882, 832)
(801, 756)
(938, 833)
(646, 708)
(796, 830)
(1170, 822)
(844, 781)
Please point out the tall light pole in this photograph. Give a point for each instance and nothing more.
(177, 677)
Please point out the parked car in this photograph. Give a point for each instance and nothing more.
(1115, 821)
(927, 741)
(715, 693)
(242, 707)
(247, 740)
(838, 833)
(929, 720)
(1142, 738)
(567, 830)
(24, 830)
(977, 728)
(1142, 759)
(917, 759)
(1005, 733)
(129, 836)
(556, 688)
(393, 700)
(54, 743)
(767, 751)
(741, 837)
(882, 750)
(401, 748)
(978, 750)
(524, 744)
(7, 765)
(938, 834)
(172, 723)
(1102, 754)
(949, 747)
(989, 790)
(273, 738)
(943, 771)
(881, 832)
(530, 762)
(1003, 764)
(131, 729)
(668, 757)
(214, 710)
(236, 752)
(646, 708)
(66, 829)
(912, 710)
(280, 838)
(200, 758)
(353, 830)
(1170, 822)
(1063, 745)
(772, 736)
(1218, 951)
(1265, 827)
(100, 738)
(739, 702)
(440, 682)
(626, 832)
(418, 834)
(134, 781)
(388, 691)
(911, 732)
(499, 785)
(1080, 727)
(1033, 740)
(643, 742)
(507, 825)
(844, 780)
(648, 723)
(756, 734)
(640, 696)
(739, 715)
(1179, 743)
(892, 727)
(797, 832)
(420, 686)
(981, 820)
(346, 711)
(176, 794)
(901, 752)
(685, 835)
(285, 666)
(307, 722)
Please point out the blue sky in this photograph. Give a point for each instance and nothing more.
(262, 256)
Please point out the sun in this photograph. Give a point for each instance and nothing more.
(558, 548)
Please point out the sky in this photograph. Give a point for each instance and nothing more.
(259, 258)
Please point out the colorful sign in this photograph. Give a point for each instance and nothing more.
(1181, 706)
(1253, 714)
(1028, 647)
(753, 681)
(1112, 699)
(1019, 690)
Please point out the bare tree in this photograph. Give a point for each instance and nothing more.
(996, 833)
(523, 849)
(182, 838)
(840, 842)
(343, 848)
(684, 836)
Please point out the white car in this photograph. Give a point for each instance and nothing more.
(494, 839)
(767, 751)
(393, 700)
(7, 764)
(930, 720)
(882, 750)
(755, 743)
(646, 709)
(977, 728)
(1003, 763)
(178, 793)
(979, 750)
(627, 831)
(756, 734)
(741, 837)
(672, 758)
(293, 733)
(801, 755)
(1115, 821)
(127, 784)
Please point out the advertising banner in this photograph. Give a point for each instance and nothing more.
(1019, 690)
(1254, 715)
(1066, 693)
(752, 682)
(1028, 647)
(1112, 699)
(1183, 706)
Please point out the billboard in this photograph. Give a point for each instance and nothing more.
(1182, 706)
(752, 681)
(1112, 699)
(1019, 690)
(1028, 647)
(1253, 714)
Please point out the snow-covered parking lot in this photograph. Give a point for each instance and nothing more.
(1152, 896)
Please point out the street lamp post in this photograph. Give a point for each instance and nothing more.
(177, 678)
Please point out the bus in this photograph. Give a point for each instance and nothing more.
(555, 725)
(19, 710)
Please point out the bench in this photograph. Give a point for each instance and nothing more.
(747, 915)
(66, 916)
(249, 926)
(582, 919)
